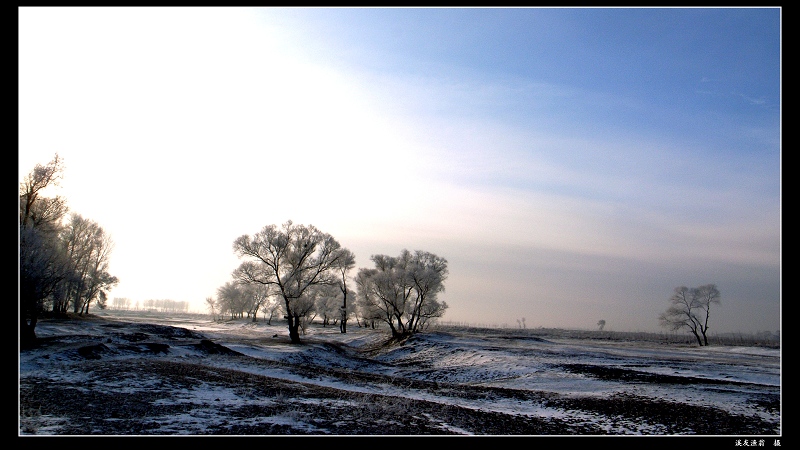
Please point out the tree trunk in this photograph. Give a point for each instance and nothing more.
(697, 336)
(294, 326)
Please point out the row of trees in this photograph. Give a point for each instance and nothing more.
(64, 257)
(690, 308)
(302, 273)
(159, 305)
(238, 300)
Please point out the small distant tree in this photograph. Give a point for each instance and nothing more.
(271, 308)
(690, 309)
(601, 323)
(211, 305)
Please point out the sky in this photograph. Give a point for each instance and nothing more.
(571, 164)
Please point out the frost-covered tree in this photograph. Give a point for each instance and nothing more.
(367, 307)
(344, 265)
(294, 260)
(404, 289)
(327, 304)
(89, 248)
(43, 267)
(43, 264)
(60, 263)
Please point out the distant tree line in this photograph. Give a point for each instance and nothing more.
(300, 273)
(64, 258)
(122, 303)
(160, 305)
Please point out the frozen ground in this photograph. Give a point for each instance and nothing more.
(138, 376)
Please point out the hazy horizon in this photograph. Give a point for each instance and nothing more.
(571, 164)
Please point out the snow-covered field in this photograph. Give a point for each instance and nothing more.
(140, 376)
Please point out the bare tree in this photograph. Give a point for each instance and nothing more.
(294, 259)
(34, 209)
(681, 313)
(404, 289)
(211, 305)
(690, 309)
(705, 296)
(601, 323)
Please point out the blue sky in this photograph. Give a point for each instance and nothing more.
(572, 164)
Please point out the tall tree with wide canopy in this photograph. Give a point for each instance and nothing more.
(294, 260)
